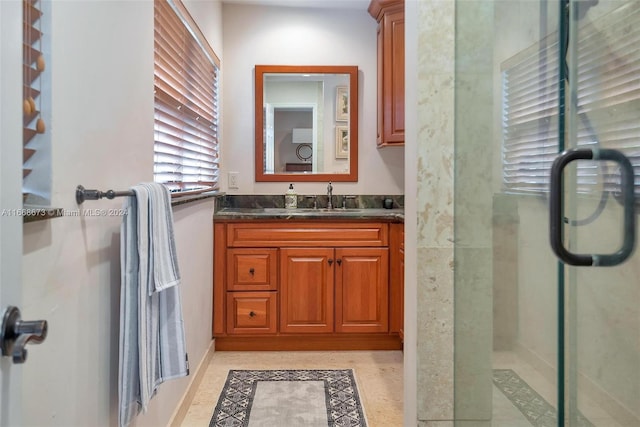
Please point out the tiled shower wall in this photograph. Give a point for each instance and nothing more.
(455, 63)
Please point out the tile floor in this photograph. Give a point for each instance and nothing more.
(380, 382)
(378, 374)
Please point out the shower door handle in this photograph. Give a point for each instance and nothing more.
(555, 208)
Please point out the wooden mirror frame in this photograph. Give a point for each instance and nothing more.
(261, 176)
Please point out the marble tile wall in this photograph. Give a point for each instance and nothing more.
(455, 149)
(473, 198)
(435, 212)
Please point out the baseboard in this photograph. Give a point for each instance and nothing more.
(309, 342)
(181, 411)
(592, 390)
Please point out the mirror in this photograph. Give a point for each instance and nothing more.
(306, 125)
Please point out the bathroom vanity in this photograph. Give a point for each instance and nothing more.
(307, 279)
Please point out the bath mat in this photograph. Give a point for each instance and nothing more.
(533, 406)
(301, 398)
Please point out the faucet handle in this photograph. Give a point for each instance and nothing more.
(344, 200)
(315, 200)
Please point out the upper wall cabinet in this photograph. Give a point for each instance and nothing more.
(390, 17)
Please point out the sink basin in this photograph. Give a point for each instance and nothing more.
(323, 211)
(310, 210)
(308, 213)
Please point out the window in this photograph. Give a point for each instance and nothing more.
(36, 152)
(608, 112)
(186, 103)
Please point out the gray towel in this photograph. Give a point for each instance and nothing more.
(152, 344)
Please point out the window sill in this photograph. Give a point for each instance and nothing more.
(186, 199)
(31, 213)
(39, 213)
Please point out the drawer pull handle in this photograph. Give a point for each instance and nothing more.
(252, 314)
(251, 271)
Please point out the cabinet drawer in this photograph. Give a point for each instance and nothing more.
(251, 312)
(307, 234)
(252, 269)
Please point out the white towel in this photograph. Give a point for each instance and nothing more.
(152, 344)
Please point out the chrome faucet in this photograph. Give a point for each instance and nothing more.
(329, 196)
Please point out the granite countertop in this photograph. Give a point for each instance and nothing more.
(371, 214)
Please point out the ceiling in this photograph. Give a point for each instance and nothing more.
(325, 4)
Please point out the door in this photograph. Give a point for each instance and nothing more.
(306, 290)
(362, 290)
(539, 340)
(601, 343)
(269, 149)
(10, 194)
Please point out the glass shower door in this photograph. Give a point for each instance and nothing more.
(601, 344)
(506, 275)
(540, 342)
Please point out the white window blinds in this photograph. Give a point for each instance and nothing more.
(33, 67)
(608, 114)
(186, 103)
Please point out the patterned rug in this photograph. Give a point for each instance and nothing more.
(533, 406)
(283, 398)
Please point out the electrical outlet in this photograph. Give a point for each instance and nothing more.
(233, 180)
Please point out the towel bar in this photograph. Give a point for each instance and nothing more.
(83, 194)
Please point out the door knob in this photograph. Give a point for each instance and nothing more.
(16, 333)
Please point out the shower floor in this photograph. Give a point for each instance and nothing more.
(524, 396)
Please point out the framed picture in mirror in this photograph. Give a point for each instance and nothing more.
(342, 142)
(342, 104)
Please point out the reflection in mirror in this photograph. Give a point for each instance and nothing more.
(306, 123)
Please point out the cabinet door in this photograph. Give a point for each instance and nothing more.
(393, 77)
(306, 290)
(362, 290)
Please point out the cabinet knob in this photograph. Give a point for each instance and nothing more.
(339, 261)
(251, 271)
(330, 261)
(252, 314)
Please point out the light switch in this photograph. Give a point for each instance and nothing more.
(233, 180)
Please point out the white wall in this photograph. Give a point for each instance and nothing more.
(102, 137)
(10, 191)
(293, 36)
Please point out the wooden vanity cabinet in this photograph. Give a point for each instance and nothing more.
(302, 285)
(390, 40)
